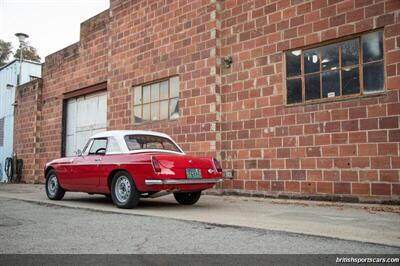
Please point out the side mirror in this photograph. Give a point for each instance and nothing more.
(78, 152)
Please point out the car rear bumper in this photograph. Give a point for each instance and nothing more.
(152, 182)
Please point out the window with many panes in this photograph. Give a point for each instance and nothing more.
(340, 69)
(156, 101)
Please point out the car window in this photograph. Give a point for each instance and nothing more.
(98, 147)
(142, 142)
(87, 147)
(113, 146)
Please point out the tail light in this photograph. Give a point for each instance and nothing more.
(156, 165)
(217, 165)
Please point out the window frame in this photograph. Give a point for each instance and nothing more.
(149, 84)
(360, 66)
(178, 149)
(91, 145)
(117, 142)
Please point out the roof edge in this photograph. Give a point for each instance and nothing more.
(23, 60)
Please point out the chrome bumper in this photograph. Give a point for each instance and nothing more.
(152, 182)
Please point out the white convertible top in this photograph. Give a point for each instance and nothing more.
(123, 133)
(120, 134)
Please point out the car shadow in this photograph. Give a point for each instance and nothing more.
(143, 203)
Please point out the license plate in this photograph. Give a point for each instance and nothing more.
(193, 173)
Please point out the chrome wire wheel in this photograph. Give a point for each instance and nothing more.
(122, 189)
(52, 185)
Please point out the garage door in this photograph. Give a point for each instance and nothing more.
(86, 115)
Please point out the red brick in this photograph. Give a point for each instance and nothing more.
(277, 186)
(385, 20)
(357, 112)
(264, 185)
(389, 175)
(324, 163)
(308, 187)
(377, 136)
(342, 162)
(313, 151)
(396, 189)
(393, 109)
(355, 15)
(380, 189)
(388, 149)
(395, 162)
(339, 138)
(368, 175)
(348, 150)
(325, 187)
(380, 163)
(250, 185)
(340, 114)
(314, 175)
(332, 175)
(345, 6)
(284, 175)
(366, 124)
(298, 174)
(330, 150)
(393, 82)
(360, 188)
(322, 139)
(357, 137)
(283, 153)
(341, 188)
(394, 135)
(349, 176)
(292, 186)
(374, 10)
(389, 122)
(360, 162)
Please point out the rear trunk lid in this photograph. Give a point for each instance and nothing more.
(174, 161)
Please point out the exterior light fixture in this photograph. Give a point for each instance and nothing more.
(21, 38)
(227, 61)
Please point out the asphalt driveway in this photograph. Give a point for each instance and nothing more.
(358, 223)
(36, 228)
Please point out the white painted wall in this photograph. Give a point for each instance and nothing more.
(8, 76)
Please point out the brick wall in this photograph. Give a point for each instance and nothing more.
(167, 38)
(27, 114)
(75, 67)
(347, 148)
(339, 148)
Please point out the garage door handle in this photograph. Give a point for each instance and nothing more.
(97, 160)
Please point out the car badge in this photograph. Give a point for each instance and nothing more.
(190, 161)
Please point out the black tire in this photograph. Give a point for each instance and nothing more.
(187, 198)
(127, 200)
(54, 190)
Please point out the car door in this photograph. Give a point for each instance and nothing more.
(109, 162)
(86, 170)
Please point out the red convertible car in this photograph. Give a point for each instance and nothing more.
(127, 165)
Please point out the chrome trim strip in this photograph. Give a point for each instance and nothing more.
(151, 182)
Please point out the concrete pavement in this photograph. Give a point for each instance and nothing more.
(42, 229)
(361, 222)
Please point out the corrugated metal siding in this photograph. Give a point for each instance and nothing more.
(8, 83)
(1, 132)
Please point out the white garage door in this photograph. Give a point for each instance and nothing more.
(86, 115)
